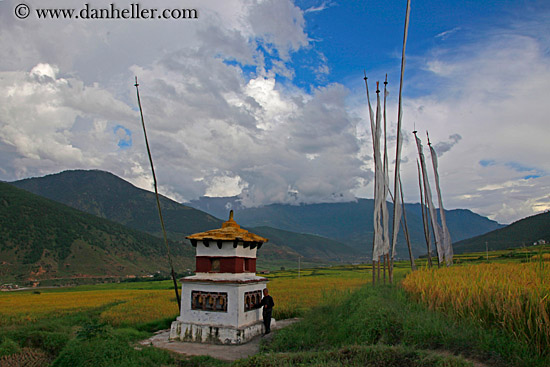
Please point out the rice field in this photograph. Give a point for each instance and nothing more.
(514, 296)
(146, 307)
(124, 306)
(26, 306)
(293, 295)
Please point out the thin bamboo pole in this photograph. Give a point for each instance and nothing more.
(390, 268)
(396, 217)
(372, 131)
(384, 270)
(406, 229)
(158, 201)
(378, 276)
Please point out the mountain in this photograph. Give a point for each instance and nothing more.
(310, 246)
(217, 206)
(523, 232)
(349, 222)
(108, 196)
(42, 239)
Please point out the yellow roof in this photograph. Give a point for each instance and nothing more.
(230, 231)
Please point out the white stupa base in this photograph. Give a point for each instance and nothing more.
(189, 332)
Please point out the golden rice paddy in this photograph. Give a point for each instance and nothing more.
(292, 296)
(514, 296)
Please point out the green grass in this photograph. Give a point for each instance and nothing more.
(519, 254)
(108, 351)
(355, 355)
(373, 326)
(384, 316)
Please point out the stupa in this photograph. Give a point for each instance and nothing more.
(217, 302)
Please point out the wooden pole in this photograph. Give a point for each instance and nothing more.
(390, 268)
(372, 131)
(424, 211)
(406, 229)
(158, 201)
(396, 217)
(384, 270)
(378, 271)
(373, 272)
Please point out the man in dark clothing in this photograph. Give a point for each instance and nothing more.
(267, 302)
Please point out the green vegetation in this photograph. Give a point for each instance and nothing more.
(98, 345)
(345, 222)
(384, 315)
(355, 355)
(8, 347)
(42, 239)
(523, 232)
(107, 196)
(310, 246)
(372, 326)
(81, 339)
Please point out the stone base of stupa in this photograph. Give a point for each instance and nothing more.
(189, 332)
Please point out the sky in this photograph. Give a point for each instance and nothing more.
(265, 99)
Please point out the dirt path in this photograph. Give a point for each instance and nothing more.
(224, 352)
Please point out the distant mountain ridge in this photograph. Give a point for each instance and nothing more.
(342, 230)
(349, 222)
(106, 195)
(524, 232)
(43, 239)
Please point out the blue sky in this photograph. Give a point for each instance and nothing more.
(358, 35)
(265, 99)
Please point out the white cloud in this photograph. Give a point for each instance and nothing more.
(213, 129)
(493, 95)
(53, 121)
(254, 136)
(220, 121)
(446, 34)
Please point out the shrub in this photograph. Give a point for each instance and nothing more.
(50, 342)
(8, 346)
(109, 352)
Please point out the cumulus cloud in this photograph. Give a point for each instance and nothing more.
(224, 116)
(274, 145)
(214, 127)
(492, 95)
(42, 117)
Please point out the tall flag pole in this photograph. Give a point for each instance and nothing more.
(158, 201)
(424, 215)
(397, 188)
(446, 236)
(406, 229)
(429, 202)
(379, 183)
(376, 217)
(386, 188)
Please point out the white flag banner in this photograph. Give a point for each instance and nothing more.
(446, 236)
(397, 208)
(379, 185)
(386, 188)
(424, 214)
(377, 215)
(428, 196)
